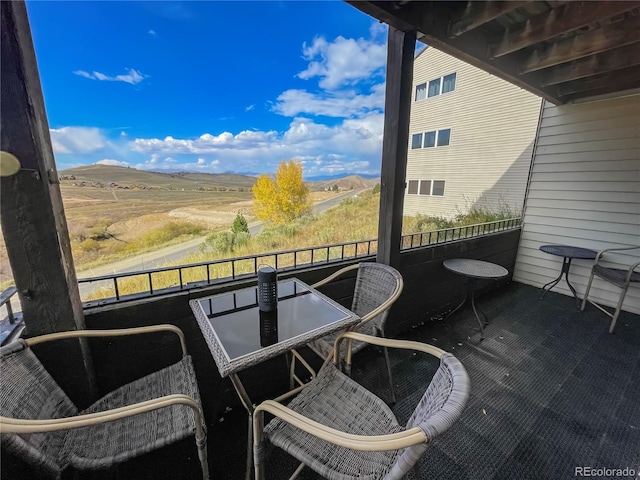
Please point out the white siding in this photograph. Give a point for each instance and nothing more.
(493, 125)
(584, 191)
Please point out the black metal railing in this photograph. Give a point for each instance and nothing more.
(420, 239)
(146, 283)
(10, 322)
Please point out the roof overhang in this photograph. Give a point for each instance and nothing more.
(561, 51)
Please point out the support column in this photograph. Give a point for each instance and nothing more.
(32, 215)
(397, 108)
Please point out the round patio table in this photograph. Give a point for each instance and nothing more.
(568, 253)
(474, 270)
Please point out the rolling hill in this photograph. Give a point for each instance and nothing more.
(123, 177)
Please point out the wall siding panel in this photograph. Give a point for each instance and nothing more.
(584, 191)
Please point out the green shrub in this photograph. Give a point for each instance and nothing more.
(240, 224)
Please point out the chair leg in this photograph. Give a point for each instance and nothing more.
(202, 455)
(618, 308)
(586, 293)
(386, 357)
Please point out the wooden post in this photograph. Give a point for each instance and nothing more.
(33, 222)
(397, 107)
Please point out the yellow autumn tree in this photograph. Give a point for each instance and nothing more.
(283, 199)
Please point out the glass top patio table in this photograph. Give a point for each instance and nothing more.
(239, 335)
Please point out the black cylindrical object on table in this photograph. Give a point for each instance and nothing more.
(267, 289)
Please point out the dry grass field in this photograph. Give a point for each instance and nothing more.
(116, 212)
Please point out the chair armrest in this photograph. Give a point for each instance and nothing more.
(110, 333)
(15, 425)
(335, 275)
(392, 441)
(602, 252)
(384, 342)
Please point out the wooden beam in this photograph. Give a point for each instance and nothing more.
(397, 108)
(622, 57)
(624, 76)
(566, 18)
(478, 13)
(606, 38)
(32, 216)
(432, 18)
(630, 88)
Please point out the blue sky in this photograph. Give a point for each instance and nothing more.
(212, 86)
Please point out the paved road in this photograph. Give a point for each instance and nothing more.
(175, 253)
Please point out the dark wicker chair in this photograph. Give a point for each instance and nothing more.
(620, 277)
(41, 425)
(344, 432)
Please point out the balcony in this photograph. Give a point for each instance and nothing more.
(551, 388)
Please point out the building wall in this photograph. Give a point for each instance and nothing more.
(493, 124)
(584, 191)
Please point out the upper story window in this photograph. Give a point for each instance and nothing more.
(416, 141)
(434, 138)
(412, 189)
(436, 87)
(449, 83)
(443, 137)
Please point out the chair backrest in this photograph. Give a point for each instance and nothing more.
(29, 392)
(375, 284)
(438, 409)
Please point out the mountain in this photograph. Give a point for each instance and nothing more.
(109, 175)
(124, 177)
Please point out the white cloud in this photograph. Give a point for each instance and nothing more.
(152, 32)
(345, 61)
(77, 140)
(347, 103)
(249, 108)
(123, 134)
(206, 143)
(354, 143)
(110, 161)
(132, 77)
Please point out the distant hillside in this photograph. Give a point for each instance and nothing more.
(346, 183)
(109, 176)
(124, 177)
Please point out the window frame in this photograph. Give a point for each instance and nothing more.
(425, 85)
(444, 187)
(438, 139)
(413, 138)
(417, 184)
(440, 80)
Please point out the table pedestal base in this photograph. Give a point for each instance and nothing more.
(566, 265)
(471, 296)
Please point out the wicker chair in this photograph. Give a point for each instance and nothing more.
(344, 432)
(377, 287)
(621, 278)
(41, 425)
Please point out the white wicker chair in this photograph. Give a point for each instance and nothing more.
(344, 432)
(621, 278)
(377, 287)
(41, 425)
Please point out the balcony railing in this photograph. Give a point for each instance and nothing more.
(10, 322)
(115, 288)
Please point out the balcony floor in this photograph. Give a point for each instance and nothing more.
(551, 390)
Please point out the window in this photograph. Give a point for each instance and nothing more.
(421, 91)
(416, 141)
(413, 187)
(443, 137)
(434, 87)
(438, 188)
(429, 139)
(449, 83)
(425, 187)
